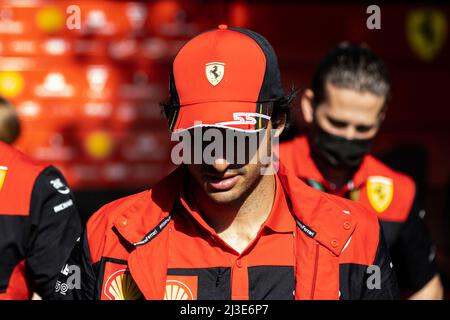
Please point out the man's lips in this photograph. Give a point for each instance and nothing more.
(222, 183)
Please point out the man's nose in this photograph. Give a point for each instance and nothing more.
(220, 165)
(350, 133)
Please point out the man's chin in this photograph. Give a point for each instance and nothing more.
(224, 197)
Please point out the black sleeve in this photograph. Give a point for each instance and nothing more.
(52, 231)
(413, 253)
(380, 279)
(77, 280)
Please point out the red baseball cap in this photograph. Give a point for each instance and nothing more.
(226, 77)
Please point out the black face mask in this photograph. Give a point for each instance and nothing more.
(337, 151)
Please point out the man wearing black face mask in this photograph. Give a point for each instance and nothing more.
(337, 153)
(345, 107)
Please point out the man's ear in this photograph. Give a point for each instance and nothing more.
(307, 105)
(381, 116)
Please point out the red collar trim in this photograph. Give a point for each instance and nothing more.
(297, 156)
(332, 223)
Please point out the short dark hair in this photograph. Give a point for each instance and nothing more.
(281, 107)
(9, 122)
(353, 67)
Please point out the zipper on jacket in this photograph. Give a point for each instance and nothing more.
(316, 266)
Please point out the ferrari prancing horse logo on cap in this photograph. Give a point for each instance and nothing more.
(214, 72)
(380, 191)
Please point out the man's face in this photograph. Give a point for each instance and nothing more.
(224, 181)
(349, 113)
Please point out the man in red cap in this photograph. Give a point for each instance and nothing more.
(345, 107)
(226, 224)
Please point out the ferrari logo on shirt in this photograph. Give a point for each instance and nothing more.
(380, 191)
(426, 32)
(181, 288)
(214, 72)
(3, 171)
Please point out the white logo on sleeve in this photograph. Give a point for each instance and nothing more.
(60, 186)
(62, 206)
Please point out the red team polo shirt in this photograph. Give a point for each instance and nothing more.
(156, 245)
(199, 255)
(391, 195)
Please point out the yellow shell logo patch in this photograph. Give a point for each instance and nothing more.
(177, 290)
(121, 286)
(380, 191)
(3, 171)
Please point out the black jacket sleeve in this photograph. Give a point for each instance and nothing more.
(53, 228)
(77, 280)
(413, 252)
(380, 280)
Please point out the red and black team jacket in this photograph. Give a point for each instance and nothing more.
(38, 225)
(391, 195)
(124, 252)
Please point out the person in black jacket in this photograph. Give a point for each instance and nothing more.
(39, 223)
